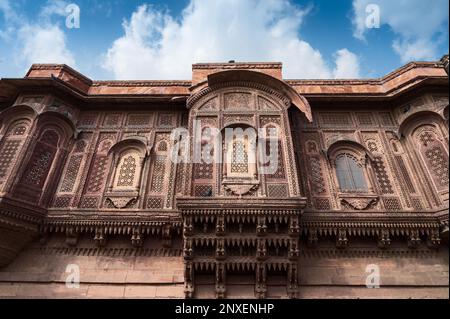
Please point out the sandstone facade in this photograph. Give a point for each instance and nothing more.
(361, 187)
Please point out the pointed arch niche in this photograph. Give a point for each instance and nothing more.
(124, 185)
(245, 99)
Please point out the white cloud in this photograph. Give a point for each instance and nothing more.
(156, 45)
(40, 41)
(44, 44)
(419, 25)
(347, 65)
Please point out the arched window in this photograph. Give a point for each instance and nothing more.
(241, 157)
(127, 173)
(11, 146)
(159, 168)
(42, 159)
(350, 174)
(239, 161)
(434, 156)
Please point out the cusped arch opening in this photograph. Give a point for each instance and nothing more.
(276, 86)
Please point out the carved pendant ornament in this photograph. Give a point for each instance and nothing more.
(241, 188)
(360, 203)
(121, 202)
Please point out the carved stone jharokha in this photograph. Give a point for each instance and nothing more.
(362, 171)
(259, 245)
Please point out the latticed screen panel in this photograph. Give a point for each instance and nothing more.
(278, 191)
(277, 166)
(437, 161)
(97, 175)
(112, 120)
(239, 160)
(317, 180)
(88, 120)
(405, 174)
(89, 202)
(203, 170)
(39, 165)
(127, 172)
(8, 152)
(62, 202)
(336, 119)
(166, 120)
(392, 204)
(159, 168)
(139, 120)
(417, 203)
(365, 119)
(382, 176)
(386, 119)
(203, 191)
(322, 204)
(154, 203)
(70, 177)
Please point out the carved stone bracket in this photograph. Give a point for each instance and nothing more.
(136, 239)
(241, 187)
(261, 278)
(342, 241)
(359, 202)
(261, 252)
(384, 240)
(220, 281)
(293, 249)
(261, 228)
(100, 237)
(71, 237)
(189, 281)
(188, 227)
(121, 202)
(220, 226)
(434, 239)
(188, 251)
(413, 239)
(313, 239)
(220, 249)
(292, 288)
(294, 226)
(167, 236)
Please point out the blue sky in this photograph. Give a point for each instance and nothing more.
(131, 39)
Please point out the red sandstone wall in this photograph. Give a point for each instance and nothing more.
(41, 272)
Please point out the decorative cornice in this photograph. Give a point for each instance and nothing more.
(112, 251)
(251, 85)
(237, 65)
(379, 81)
(367, 252)
(61, 68)
(142, 83)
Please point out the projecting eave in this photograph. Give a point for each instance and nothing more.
(409, 77)
(236, 76)
(16, 85)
